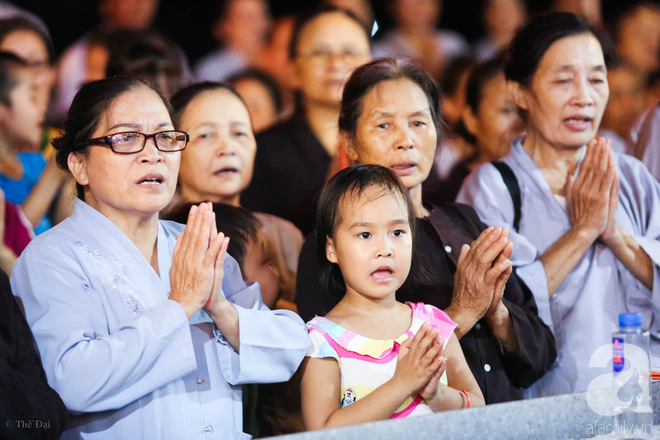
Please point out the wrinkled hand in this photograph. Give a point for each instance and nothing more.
(481, 274)
(217, 300)
(500, 283)
(610, 232)
(193, 271)
(430, 390)
(419, 359)
(588, 196)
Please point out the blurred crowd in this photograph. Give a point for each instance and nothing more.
(260, 114)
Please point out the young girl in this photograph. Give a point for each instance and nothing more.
(374, 358)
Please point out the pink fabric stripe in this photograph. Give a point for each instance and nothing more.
(343, 353)
(434, 316)
(407, 410)
(345, 338)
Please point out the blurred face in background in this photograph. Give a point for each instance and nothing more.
(589, 9)
(496, 123)
(415, 14)
(245, 22)
(29, 46)
(129, 14)
(330, 47)
(258, 101)
(626, 100)
(639, 37)
(259, 266)
(504, 17)
(22, 119)
(96, 61)
(218, 161)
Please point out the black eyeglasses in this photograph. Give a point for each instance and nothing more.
(130, 142)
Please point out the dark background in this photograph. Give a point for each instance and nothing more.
(188, 21)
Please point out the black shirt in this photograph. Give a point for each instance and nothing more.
(290, 169)
(501, 375)
(29, 408)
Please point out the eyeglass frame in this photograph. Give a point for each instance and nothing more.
(106, 141)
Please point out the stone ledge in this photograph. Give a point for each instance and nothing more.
(560, 417)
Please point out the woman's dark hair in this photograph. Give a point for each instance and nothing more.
(239, 224)
(148, 55)
(368, 76)
(480, 75)
(304, 19)
(533, 40)
(348, 185)
(88, 107)
(9, 66)
(182, 98)
(270, 83)
(21, 23)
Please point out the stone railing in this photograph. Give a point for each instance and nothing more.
(561, 417)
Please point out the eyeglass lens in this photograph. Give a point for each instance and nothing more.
(133, 142)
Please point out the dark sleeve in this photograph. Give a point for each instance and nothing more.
(310, 299)
(537, 350)
(29, 408)
(258, 195)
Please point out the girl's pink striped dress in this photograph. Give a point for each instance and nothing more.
(366, 364)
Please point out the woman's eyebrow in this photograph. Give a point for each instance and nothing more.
(135, 126)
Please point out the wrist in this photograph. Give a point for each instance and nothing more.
(462, 317)
(189, 309)
(400, 387)
(498, 317)
(218, 309)
(585, 234)
(616, 239)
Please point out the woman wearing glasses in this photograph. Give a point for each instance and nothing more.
(293, 157)
(140, 323)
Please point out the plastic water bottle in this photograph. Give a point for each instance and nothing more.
(632, 378)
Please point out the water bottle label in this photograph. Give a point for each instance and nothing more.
(617, 354)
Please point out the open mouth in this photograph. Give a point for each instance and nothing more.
(151, 180)
(226, 171)
(382, 274)
(404, 168)
(578, 122)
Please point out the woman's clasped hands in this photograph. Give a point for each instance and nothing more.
(481, 275)
(198, 264)
(593, 196)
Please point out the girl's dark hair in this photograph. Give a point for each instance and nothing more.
(368, 76)
(182, 98)
(239, 224)
(480, 75)
(303, 20)
(348, 185)
(270, 83)
(22, 23)
(9, 66)
(88, 107)
(533, 40)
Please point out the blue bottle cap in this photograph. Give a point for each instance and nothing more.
(630, 320)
